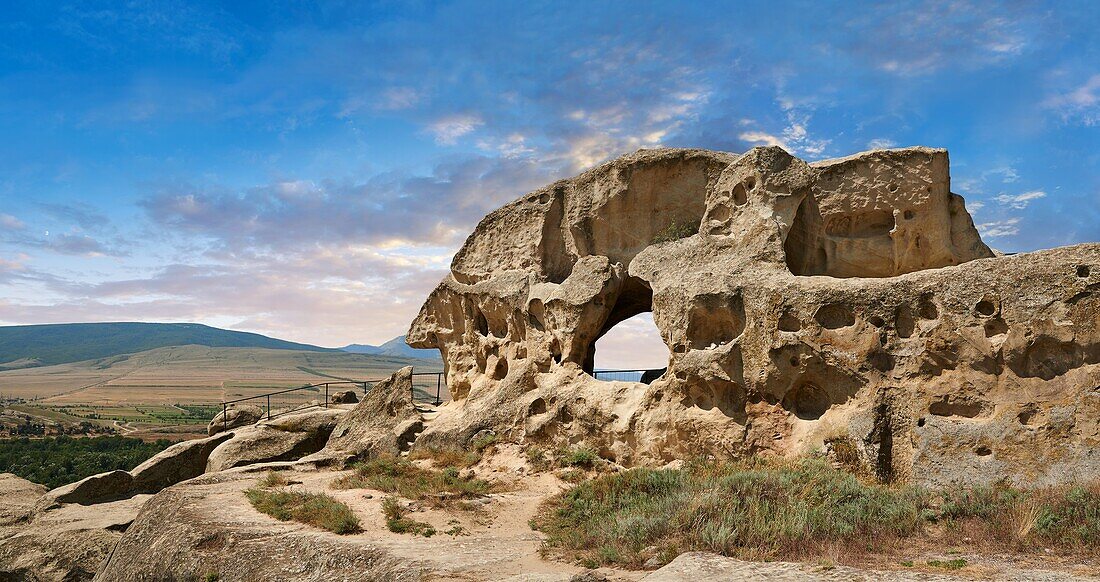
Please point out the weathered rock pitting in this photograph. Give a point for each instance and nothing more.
(847, 300)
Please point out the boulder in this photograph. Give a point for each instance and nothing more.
(284, 438)
(236, 415)
(179, 462)
(109, 486)
(385, 421)
(847, 304)
(345, 397)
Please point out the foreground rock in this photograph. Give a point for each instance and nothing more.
(63, 543)
(846, 305)
(206, 528)
(235, 416)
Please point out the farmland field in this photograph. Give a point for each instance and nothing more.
(173, 392)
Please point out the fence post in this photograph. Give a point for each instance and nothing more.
(438, 384)
(224, 421)
(326, 394)
(269, 407)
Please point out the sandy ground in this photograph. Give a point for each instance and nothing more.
(497, 542)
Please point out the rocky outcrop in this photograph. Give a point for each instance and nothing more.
(205, 529)
(178, 462)
(64, 543)
(283, 438)
(805, 307)
(385, 421)
(237, 415)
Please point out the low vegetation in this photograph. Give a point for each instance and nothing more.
(397, 519)
(54, 462)
(404, 478)
(772, 510)
(316, 509)
(675, 231)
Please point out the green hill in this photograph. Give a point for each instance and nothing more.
(61, 343)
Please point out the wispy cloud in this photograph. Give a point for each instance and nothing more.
(1081, 104)
(881, 143)
(1000, 228)
(448, 129)
(1019, 201)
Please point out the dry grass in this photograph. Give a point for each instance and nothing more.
(273, 479)
(801, 509)
(316, 509)
(397, 519)
(401, 477)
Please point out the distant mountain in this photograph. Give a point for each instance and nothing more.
(395, 347)
(45, 345)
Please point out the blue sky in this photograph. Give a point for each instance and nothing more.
(307, 170)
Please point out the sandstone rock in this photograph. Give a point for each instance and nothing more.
(385, 421)
(19, 497)
(179, 462)
(236, 415)
(345, 397)
(848, 300)
(110, 486)
(66, 543)
(206, 527)
(288, 437)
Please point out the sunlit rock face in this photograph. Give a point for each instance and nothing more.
(847, 306)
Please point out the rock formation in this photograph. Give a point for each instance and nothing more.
(844, 303)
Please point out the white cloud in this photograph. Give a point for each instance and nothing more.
(1082, 103)
(762, 138)
(1020, 201)
(448, 129)
(999, 228)
(973, 207)
(9, 222)
(881, 143)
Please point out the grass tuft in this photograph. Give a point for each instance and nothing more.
(401, 477)
(398, 522)
(273, 479)
(316, 509)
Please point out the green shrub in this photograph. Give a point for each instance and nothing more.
(316, 509)
(579, 457)
(273, 479)
(675, 231)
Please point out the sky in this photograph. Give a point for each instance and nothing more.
(307, 170)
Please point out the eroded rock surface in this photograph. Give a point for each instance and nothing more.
(845, 301)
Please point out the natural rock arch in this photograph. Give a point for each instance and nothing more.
(800, 303)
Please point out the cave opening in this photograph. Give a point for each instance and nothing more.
(629, 346)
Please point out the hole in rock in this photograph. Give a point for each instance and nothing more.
(995, 327)
(1082, 271)
(629, 339)
(835, 316)
(807, 401)
(537, 407)
(927, 308)
(715, 320)
(481, 324)
(956, 407)
(909, 214)
(985, 307)
(983, 451)
(788, 322)
(750, 182)
(739, 196)
(920, 421)
(904, 322)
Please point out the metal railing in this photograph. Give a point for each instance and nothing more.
(286, 395)
(423, 382)
(425, 387)
(646, 375)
